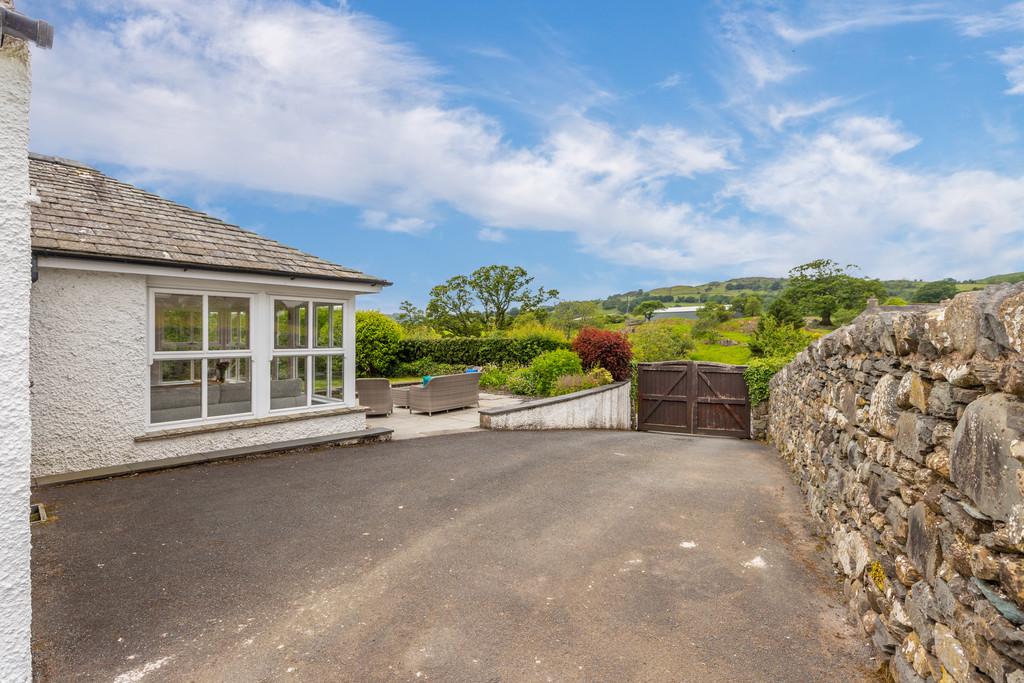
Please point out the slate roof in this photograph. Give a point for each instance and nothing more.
(85, 213)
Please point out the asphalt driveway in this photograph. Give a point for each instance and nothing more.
(554, 556)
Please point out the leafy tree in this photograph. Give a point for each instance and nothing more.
(895, 301)
(378, 338)
(451, 308)
(409, 316)
(465, 305)
(748, 305)
(647, 309)
(786, 312)
(773, 338)
(823, 286)
(934, 292)
(498, 288)
(571, 316)
(709, 317)
(658, 342)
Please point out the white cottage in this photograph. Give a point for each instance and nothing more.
(160, 332)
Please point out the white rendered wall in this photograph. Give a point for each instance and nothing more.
(15, 432)
(604, 408)
(89, 380)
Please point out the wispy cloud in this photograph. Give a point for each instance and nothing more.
(382, 220)
(1013, 59)
(879, 213)
(1008, 18)
(670, 81)
(837, 20)
(780, 115)
(760, 62)
(492, 235)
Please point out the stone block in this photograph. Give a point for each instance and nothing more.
(881, 486)
(1011, 319)
(940, 401)
(938, 461)
(984, 563)
(951, 653)
(914, 434)
(1011, 577)
(882, 410)
(922, 540)
(981, 460)
(852, 552)
(921, 610)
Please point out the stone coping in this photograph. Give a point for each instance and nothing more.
(553, 400)
(342, 439)
(176, 432)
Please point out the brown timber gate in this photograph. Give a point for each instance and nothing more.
(694, 398)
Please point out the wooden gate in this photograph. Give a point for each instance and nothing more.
(694, 398)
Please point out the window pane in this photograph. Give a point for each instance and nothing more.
(290, 326)
(227, 323)
(328, 378)
(338, 377)
(228, 386)
(328, 325)
(175, 390)
(178, 322)
(288, 382)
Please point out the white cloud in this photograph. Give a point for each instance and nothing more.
(780, 115)
(326, 103)
(846, 18)
(492, 235)
(1013, 59)
(840, 194)
(1008, 18)
(671, 81)
(381, 220)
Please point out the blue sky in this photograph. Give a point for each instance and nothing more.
(603, 146)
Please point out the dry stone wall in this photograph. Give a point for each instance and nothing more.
(905, 431)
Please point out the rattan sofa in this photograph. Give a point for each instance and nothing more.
(446, 392)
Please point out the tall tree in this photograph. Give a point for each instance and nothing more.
(499, 288)
(409, 315)
(647, 309)
(572, 316)
(451, 308)
(822, 287)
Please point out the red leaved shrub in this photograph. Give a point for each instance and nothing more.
(606, 349)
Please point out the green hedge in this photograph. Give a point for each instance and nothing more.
(478, 350)
(759, 373)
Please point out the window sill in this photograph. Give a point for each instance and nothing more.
(174, 432)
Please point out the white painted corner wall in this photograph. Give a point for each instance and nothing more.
(15, 425)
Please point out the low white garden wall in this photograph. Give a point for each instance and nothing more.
(606, 407)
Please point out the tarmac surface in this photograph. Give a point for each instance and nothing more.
(483, 556)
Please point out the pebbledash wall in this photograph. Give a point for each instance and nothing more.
(15, 434)
(905, 430)
(89, 381)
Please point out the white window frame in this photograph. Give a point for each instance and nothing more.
(311, 350)
(204, 355)
(261, 350)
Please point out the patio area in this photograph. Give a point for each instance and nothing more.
(414, 425)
